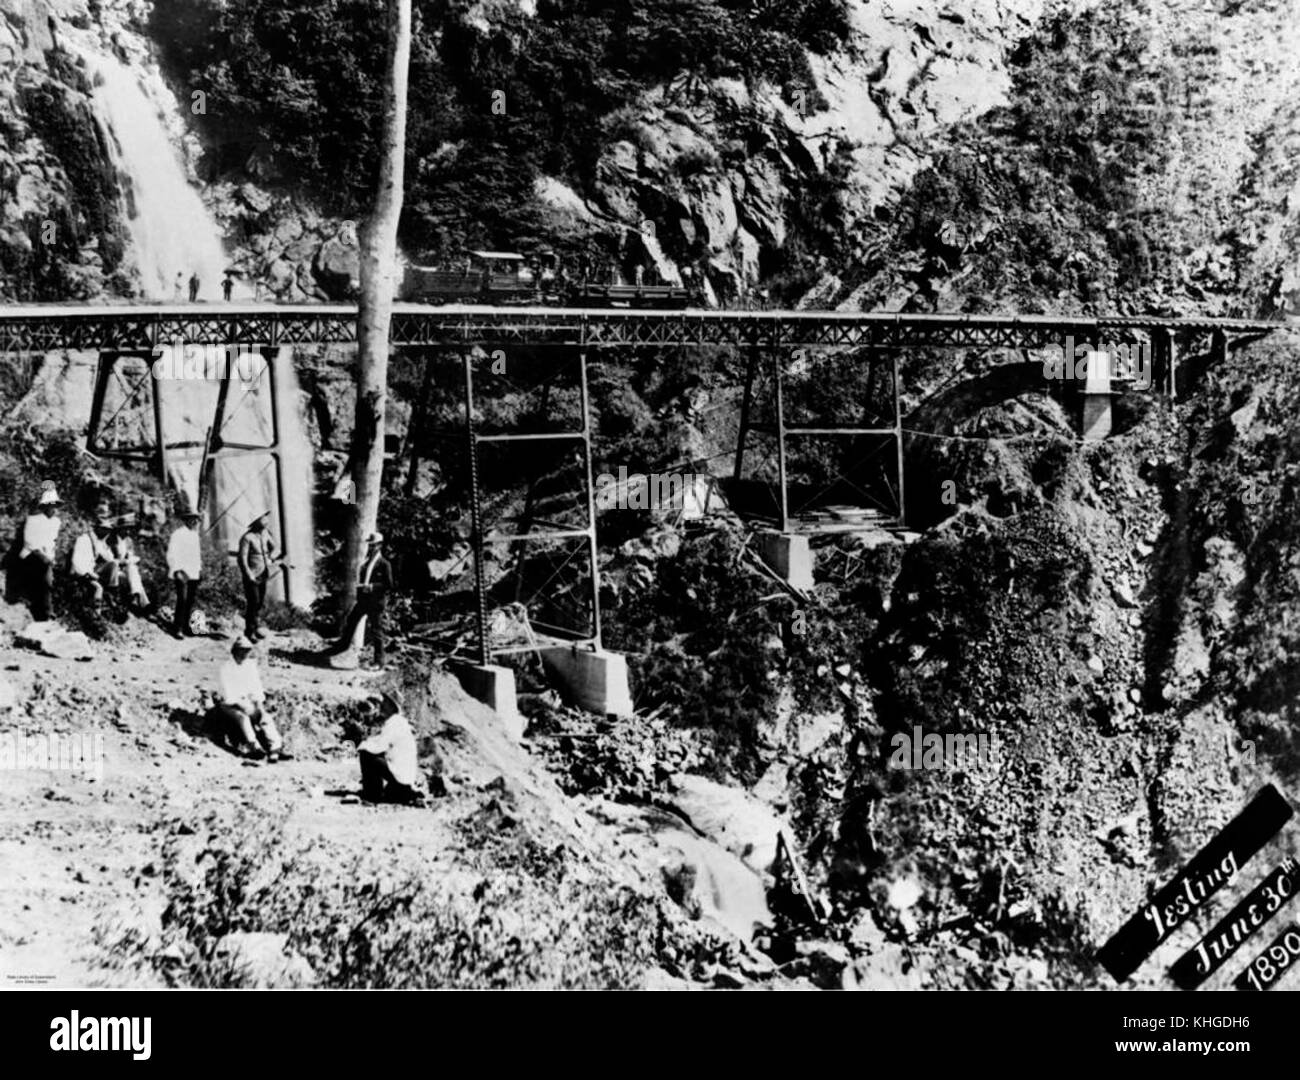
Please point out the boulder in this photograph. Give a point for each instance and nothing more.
(1244, 417)
(337, 268)
(1123, 592)
(823, 963)
(715, 212)
(730, 817)
(50, 639)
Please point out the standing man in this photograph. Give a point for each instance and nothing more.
(40, 541)
(389, 764)
(241, 704)
(257, 554)
(227, 286)
(184, 567)
(194, 286)
(372, 599)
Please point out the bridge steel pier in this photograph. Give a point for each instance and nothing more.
(593, 678)
(163, 454)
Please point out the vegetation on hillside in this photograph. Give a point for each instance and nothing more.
(492, 109)
(1046, 204)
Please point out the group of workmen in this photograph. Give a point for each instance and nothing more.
(103, 563)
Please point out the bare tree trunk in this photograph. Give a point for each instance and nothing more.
(378, 242)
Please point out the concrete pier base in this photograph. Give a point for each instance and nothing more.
(790, 556)
(1096, 422)
(495, 687)
(595, 681)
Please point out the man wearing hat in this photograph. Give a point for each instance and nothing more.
(376, 579)
(389, 764)
(240, 705)
(184, 567)
(40, 540)
(94, 565)
(257, 555)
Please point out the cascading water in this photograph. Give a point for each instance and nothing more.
(174, 236)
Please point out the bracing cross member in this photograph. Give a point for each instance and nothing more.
(241, 706)
(389, 765)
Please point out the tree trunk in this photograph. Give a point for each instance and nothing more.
(378, 242)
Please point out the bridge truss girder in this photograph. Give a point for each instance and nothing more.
(43, 329)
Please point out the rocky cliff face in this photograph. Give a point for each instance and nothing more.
(725, 173)
(62, 231)
(800, 190)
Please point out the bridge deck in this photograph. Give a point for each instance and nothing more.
(124, 327)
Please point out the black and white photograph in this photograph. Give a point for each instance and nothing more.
(655, 495)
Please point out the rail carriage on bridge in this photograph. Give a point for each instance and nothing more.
(506, 277)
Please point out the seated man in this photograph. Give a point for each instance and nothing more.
(240, 701)
(37, 553)
(94, 564)
(134, 595)
(389, 771)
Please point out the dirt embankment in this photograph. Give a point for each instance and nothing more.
(167, 860)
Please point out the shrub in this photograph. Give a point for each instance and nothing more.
(360, 922)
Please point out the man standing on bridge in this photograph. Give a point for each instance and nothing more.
(194, 286)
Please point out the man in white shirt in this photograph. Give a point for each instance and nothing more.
(184, 567)
(389, 765)
(240, 705)
(94, 564)
(40, 541)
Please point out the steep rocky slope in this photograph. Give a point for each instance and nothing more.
(1116, 616)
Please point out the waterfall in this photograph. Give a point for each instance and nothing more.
(174, 235)
(172, 232)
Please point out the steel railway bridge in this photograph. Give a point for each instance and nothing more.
(770, 342)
